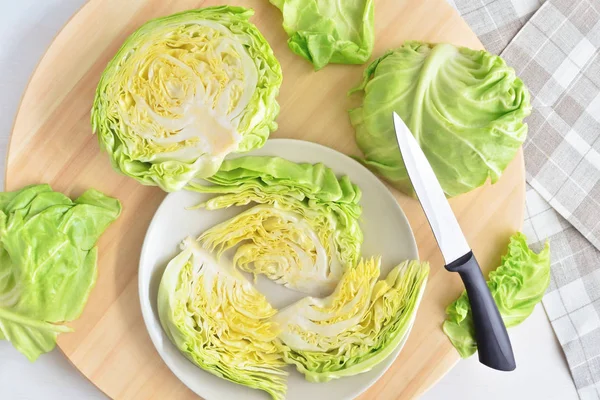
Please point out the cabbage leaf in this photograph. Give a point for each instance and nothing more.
(358, 326)
(183, 92)
(464, 107)
(47, 262)
(220, 322)
(517, 285)
(329, 31)
(324, 209)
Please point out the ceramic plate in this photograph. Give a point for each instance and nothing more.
(386, 233)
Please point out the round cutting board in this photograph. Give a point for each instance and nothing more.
(52, 142)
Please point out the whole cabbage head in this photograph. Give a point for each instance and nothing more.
(183, 92)
(465, 108)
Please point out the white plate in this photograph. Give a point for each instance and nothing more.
(386, 233)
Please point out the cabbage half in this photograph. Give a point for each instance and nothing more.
(311, 215)
(464, 107)
(220, 322)
(283, 245)
(329, 31)
(517, 285)
(48, 258)
(358, 326)
(183, 92)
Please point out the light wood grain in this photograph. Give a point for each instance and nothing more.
(52, 142)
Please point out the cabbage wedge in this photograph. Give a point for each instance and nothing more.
(282, 245)
(183, 92)
(220, 322)
(358, 326)
(306, 234)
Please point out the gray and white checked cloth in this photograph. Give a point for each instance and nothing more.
(554, 47)
(496, 22)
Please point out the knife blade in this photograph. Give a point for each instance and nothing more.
(445, 227)
(493, 343)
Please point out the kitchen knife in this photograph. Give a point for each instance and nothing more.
(493, 343)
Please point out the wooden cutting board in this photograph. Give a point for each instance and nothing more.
(52, 142)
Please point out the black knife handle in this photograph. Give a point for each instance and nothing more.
(493, 343)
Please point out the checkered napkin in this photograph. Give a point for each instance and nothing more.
(554, 47)
(496, 22)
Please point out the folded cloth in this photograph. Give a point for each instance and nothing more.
(555, 51)
(572, 301)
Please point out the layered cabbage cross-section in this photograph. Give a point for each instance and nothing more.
(183, 92)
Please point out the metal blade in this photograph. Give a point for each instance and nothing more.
(442, 220)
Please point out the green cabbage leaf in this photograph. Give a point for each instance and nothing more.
(183, 92)
(360, 324)
(47, 262)
(220, 322)
(464, 107)
(306, 235)
(517, 285)
(329, 31)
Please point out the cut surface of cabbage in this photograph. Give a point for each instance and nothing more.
(305, 230)
(356, 327)
(183, 92)
(283, 245)
(220, 322)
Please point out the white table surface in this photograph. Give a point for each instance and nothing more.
(27, 28)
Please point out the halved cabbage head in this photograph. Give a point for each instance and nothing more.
(183, 92)
(283, 245)
(358, 326)
(220, 322)
(311, 215)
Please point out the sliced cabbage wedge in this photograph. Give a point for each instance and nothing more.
(283, 245)
(358, 326)
(220, 322)
(183, 92)
(328, 207)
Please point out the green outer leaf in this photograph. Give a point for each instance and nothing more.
(517, 285)
(317, 182)
(465, 108)
(329, 31)
(47, 262)
(393, 307)
(30, 336)
(257, 121)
